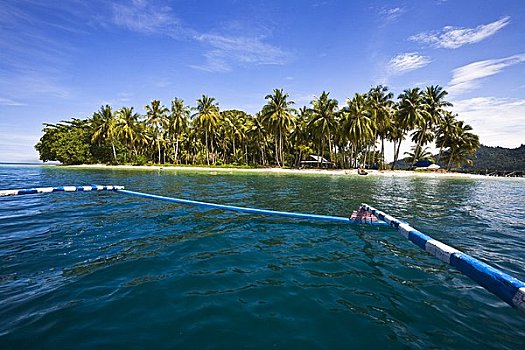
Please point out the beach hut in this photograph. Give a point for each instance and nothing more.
(426, 165)
(314, 161)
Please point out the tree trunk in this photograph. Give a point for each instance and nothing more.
(158, 146)
(177, 151)
(396, 155)
(382, 154)
(114, 151)
(330, 145)
(207, 154)
(373, 158)
(277, 150)
(449, 165)
(281, 146)
(418, 146)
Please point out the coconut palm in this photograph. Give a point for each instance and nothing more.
(396, 135)
(256, 133)
(126, 126)
(322, 122)
(206, 119)
(463, 145)
(434, 105)
(104, 127)
(382, 108)
(358, 124)
(235, 123)
(155, 117)
(412, 112)
(418, 154)
(177, 124)
(277, 116)
(445, 131)
(301, 136)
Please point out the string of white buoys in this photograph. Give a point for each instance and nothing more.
(4, 193)
(509, 289)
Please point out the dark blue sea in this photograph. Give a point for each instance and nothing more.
(108, 271)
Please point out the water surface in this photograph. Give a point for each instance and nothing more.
(105, 270)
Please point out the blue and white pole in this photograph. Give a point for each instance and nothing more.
(509, 289)
(4, 193)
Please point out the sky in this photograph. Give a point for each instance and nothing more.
(64, 59)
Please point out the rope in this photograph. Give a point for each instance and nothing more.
(121, 189)
(325, 218)
(509, 289)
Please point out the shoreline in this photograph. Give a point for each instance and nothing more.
(331, 172)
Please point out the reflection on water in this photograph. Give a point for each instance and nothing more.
(106, 270)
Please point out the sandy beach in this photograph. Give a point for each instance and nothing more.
(331, 172)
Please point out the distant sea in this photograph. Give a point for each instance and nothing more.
(108, 271)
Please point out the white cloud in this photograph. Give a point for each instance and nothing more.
(222, 51)
(391, 14)
(454, 37)
(9, 102)
(143, 17)
(226, 50)
(406, 62)
(468, 77)
(497, 121)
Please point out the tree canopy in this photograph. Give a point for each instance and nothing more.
(279, 134)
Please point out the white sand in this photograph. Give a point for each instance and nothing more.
(351, 172)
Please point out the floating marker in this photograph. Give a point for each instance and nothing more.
(37, 190)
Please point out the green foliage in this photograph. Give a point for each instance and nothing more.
(278, 134)
(68, 143)
(494, 159)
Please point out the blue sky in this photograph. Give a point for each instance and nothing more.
(64, 59)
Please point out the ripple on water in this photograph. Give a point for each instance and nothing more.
(105, 270)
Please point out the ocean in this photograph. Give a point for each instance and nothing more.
(106, 270)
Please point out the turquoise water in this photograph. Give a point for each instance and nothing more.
(105, 270)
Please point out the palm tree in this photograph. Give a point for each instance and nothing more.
(256, 132)
(235, 129)
(434, 104)
(382, 109)
(176, 124)
(445, 131)
(412, 111)
(324, 110)
(358, 124)
(277, 116)
(126, 126)
(104, 127)
(207, 117)
(302, 136)
(155, 117)
(463, 145)
(418, 154)
(396, 135)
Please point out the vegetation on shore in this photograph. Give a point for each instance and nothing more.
(351, 135)
(499, 161)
